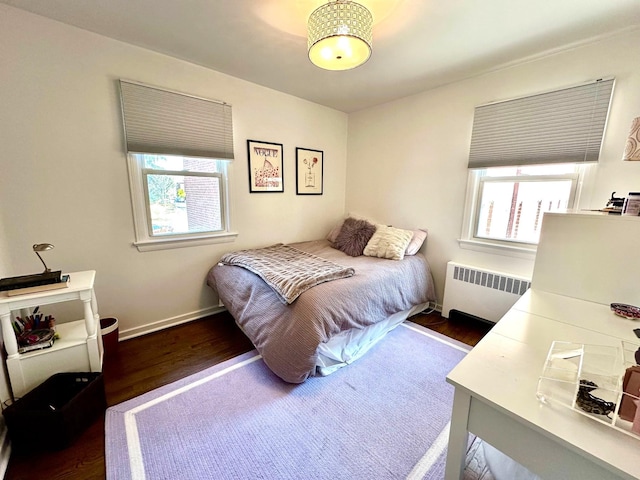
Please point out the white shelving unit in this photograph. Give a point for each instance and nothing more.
(79, 348)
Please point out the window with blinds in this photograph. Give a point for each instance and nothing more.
(178, 148)
(158, 121)
(527, 157)
(563, 126)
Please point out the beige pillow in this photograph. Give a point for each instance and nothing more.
(388, 242)
(419, 236)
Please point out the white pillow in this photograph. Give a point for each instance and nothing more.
(388, 242)
(419, 236)
(333, 233)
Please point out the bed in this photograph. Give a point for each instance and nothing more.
(331, 324)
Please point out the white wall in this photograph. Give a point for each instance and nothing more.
(416, 149)
(5, 268)
(64, 180)
(5, 259)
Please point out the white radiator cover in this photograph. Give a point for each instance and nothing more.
(484, 293)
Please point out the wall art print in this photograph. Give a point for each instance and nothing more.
(309, 171)
(265, 167)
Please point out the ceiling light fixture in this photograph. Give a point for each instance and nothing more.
(339, 35)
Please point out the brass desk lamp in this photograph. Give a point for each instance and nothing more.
(44, 278)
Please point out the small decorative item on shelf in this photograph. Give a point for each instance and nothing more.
(630, 312)
(632, 205)
(35, 332)
(63, 282)
(590, 403)
(631, 389)
(36, 340)
(615, 204)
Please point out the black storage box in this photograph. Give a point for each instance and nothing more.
(54, 414)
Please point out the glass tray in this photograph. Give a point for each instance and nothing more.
(589, 379)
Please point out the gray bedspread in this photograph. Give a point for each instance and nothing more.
(287, 336)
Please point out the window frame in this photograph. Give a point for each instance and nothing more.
(582, 184)
(144, 240)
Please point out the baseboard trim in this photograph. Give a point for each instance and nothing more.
(167, 323)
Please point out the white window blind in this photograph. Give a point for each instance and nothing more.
(159, 121)
(563, 126)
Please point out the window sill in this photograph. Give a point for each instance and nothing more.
(181, 242)
(499, 248)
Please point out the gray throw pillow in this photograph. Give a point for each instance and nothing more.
(354, 236)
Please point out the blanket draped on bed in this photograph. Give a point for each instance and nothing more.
(287, 270)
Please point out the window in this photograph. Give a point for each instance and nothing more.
(178, 151)
(505, 205)
(178, 198)
(510, 201)
(529, 156)
(183, 195)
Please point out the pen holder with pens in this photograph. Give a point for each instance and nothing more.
(34, 331)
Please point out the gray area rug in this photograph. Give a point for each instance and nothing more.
(386, 416)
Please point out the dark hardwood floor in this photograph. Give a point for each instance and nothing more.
(156, 359)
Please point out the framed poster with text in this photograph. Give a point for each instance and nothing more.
(265, 167)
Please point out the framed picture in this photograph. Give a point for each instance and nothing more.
(265, 167)
(309, 170)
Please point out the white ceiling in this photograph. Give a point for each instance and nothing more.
(417, 44)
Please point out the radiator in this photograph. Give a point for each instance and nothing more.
(481, 293)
